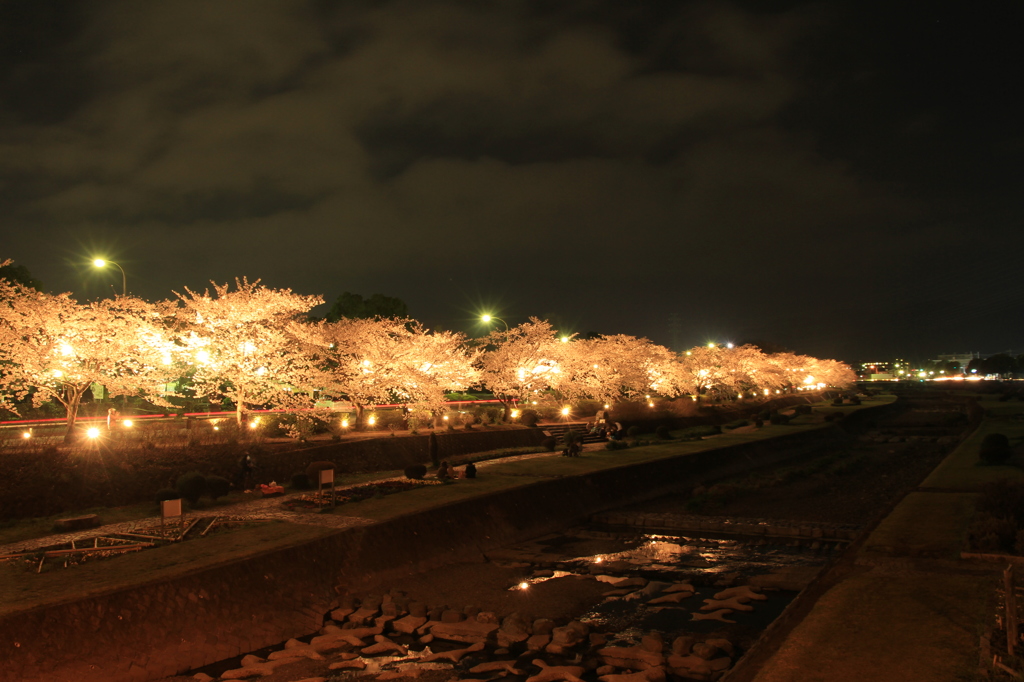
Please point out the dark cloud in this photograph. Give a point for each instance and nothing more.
(805, 173)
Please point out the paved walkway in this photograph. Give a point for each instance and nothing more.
(255, 508)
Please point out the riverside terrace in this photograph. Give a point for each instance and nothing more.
(637, 457)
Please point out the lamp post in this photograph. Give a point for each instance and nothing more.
(100, 263)
(486, 319)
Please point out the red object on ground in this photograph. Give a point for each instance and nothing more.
(269, 490)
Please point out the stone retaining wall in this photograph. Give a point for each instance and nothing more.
(167, 627)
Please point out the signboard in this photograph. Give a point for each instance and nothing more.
(326, 476)
(170, 508)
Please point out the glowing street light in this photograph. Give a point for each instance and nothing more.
(100, 263)
(487, 318)
(93, 433)
(565, 339)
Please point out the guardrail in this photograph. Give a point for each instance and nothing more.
(59, 421)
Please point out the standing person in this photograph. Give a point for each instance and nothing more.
(246, 476)
(112, 417)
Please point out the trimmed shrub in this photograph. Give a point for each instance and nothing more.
(759, 423)
(217, 486)
(995, 448)
(191, 486)
(416, 471)
(633, 431)
(314, 469)
(300, 481)
(616, 445)
(528, 417)
(736, 424)
(803, 409)
(663, 433)
(167, 494)
(837, 401)
(549, 443)
(570, 437)
(779, 418)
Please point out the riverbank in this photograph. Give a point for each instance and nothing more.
(166, 625)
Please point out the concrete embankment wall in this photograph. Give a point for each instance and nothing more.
(168, 627)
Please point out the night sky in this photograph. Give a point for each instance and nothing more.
(839, 178)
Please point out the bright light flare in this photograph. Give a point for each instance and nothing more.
(565, 339)
(203, 356)
(514, 414)
(565, 411)
(371, 420)
(524, 586)
(127, 423)
(93, 432)
(486, 318)
(26, 434)
(99, 262)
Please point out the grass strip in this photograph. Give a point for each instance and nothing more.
(914, 626)
(24, 589)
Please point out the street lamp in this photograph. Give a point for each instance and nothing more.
(100, 263)
(486, 319)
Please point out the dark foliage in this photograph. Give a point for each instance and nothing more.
(191, 486)
(300, 481)
(217, 486)
(314, 469)
(995, 448)
(166, 494)
(528, 417)
(663, 433)
(549, 443)
(416, 471)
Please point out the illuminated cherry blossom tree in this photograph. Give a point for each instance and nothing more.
(520, 363)
(383, 361)
(239, 344)
(612, 368)
(52, 347)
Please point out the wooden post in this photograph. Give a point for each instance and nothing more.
(326, 477)
(1011, 609)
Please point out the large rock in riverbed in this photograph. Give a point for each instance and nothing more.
(470, 631)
